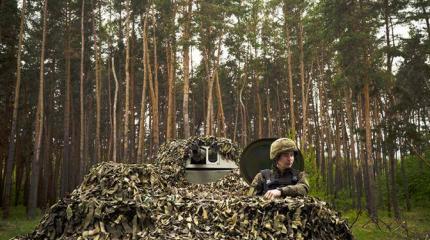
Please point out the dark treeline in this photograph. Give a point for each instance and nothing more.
(85, 81)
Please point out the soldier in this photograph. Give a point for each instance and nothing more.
(282, 180)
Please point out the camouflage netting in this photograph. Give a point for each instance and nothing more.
(153, 201)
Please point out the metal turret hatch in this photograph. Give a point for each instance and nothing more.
(205, 164)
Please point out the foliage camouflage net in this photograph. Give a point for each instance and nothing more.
(154, 201)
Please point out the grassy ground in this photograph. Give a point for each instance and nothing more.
(17, 224)
(417, 225)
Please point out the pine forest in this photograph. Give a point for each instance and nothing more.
(89, 81)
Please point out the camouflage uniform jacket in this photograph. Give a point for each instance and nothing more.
(291, 182)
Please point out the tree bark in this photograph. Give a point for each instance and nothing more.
(45, 166)
(64, 179)
(155, 114)
(132, 142)
(186, 57)
(209, 102)
(371, 193)
(13, 136)
(211, 79)
(35, 164)
(259, 106)
(220, 106)
(141, 140)
(328, 132)
(387, 35)
(338, 159)
(170, 92)
(290, 74)
(404, 177)
(98, 90)
(303, 89)
(82, 94)
(321, 88)
(109, 156)
(350, 121)
(115, 102)
(127, 84)
(171, 57)
(243, 114)
(393, 185)
(21, 161)
(269, 117)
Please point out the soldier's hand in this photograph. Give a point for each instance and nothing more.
(272, 194)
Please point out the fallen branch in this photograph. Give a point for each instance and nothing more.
(356, 218)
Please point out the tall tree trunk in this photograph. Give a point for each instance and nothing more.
(127, 83)
(109, 156)
(328, 132)
(347, 167)
(121, 73)
(21, 161)
(269, 117)
(171, 58)
(132, 151)
(211, 79)
(65, 165)
(82, 94)
(404, 177)
(393, 185)
(387, 34)
(290, 74)
(243, 114)
(170, 91)
(45, 171)
(350, 121)
(378, 167)
(279, 113)
(35, 164)
(371, 194)
(258, 105)
(115, 102)
(154, 105)
(155, 114)
(338, 164)
(302, 82)
(321, 89)
(47, 142)
(220, 105)
(13, 136)
(53, 176)
(74, 148)
(142, 120)
(111, 114)
(209, 103)
(390, 192)
(98, 89)
(318, 137)
(186, 56)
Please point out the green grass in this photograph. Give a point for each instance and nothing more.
(417, 222)
(414, 225)
(17, 224)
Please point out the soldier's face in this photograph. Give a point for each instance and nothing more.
(286, 160)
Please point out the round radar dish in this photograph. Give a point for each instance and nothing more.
(256, 157)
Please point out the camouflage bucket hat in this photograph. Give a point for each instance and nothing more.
(281, 145)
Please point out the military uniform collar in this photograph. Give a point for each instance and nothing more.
(279, 173)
